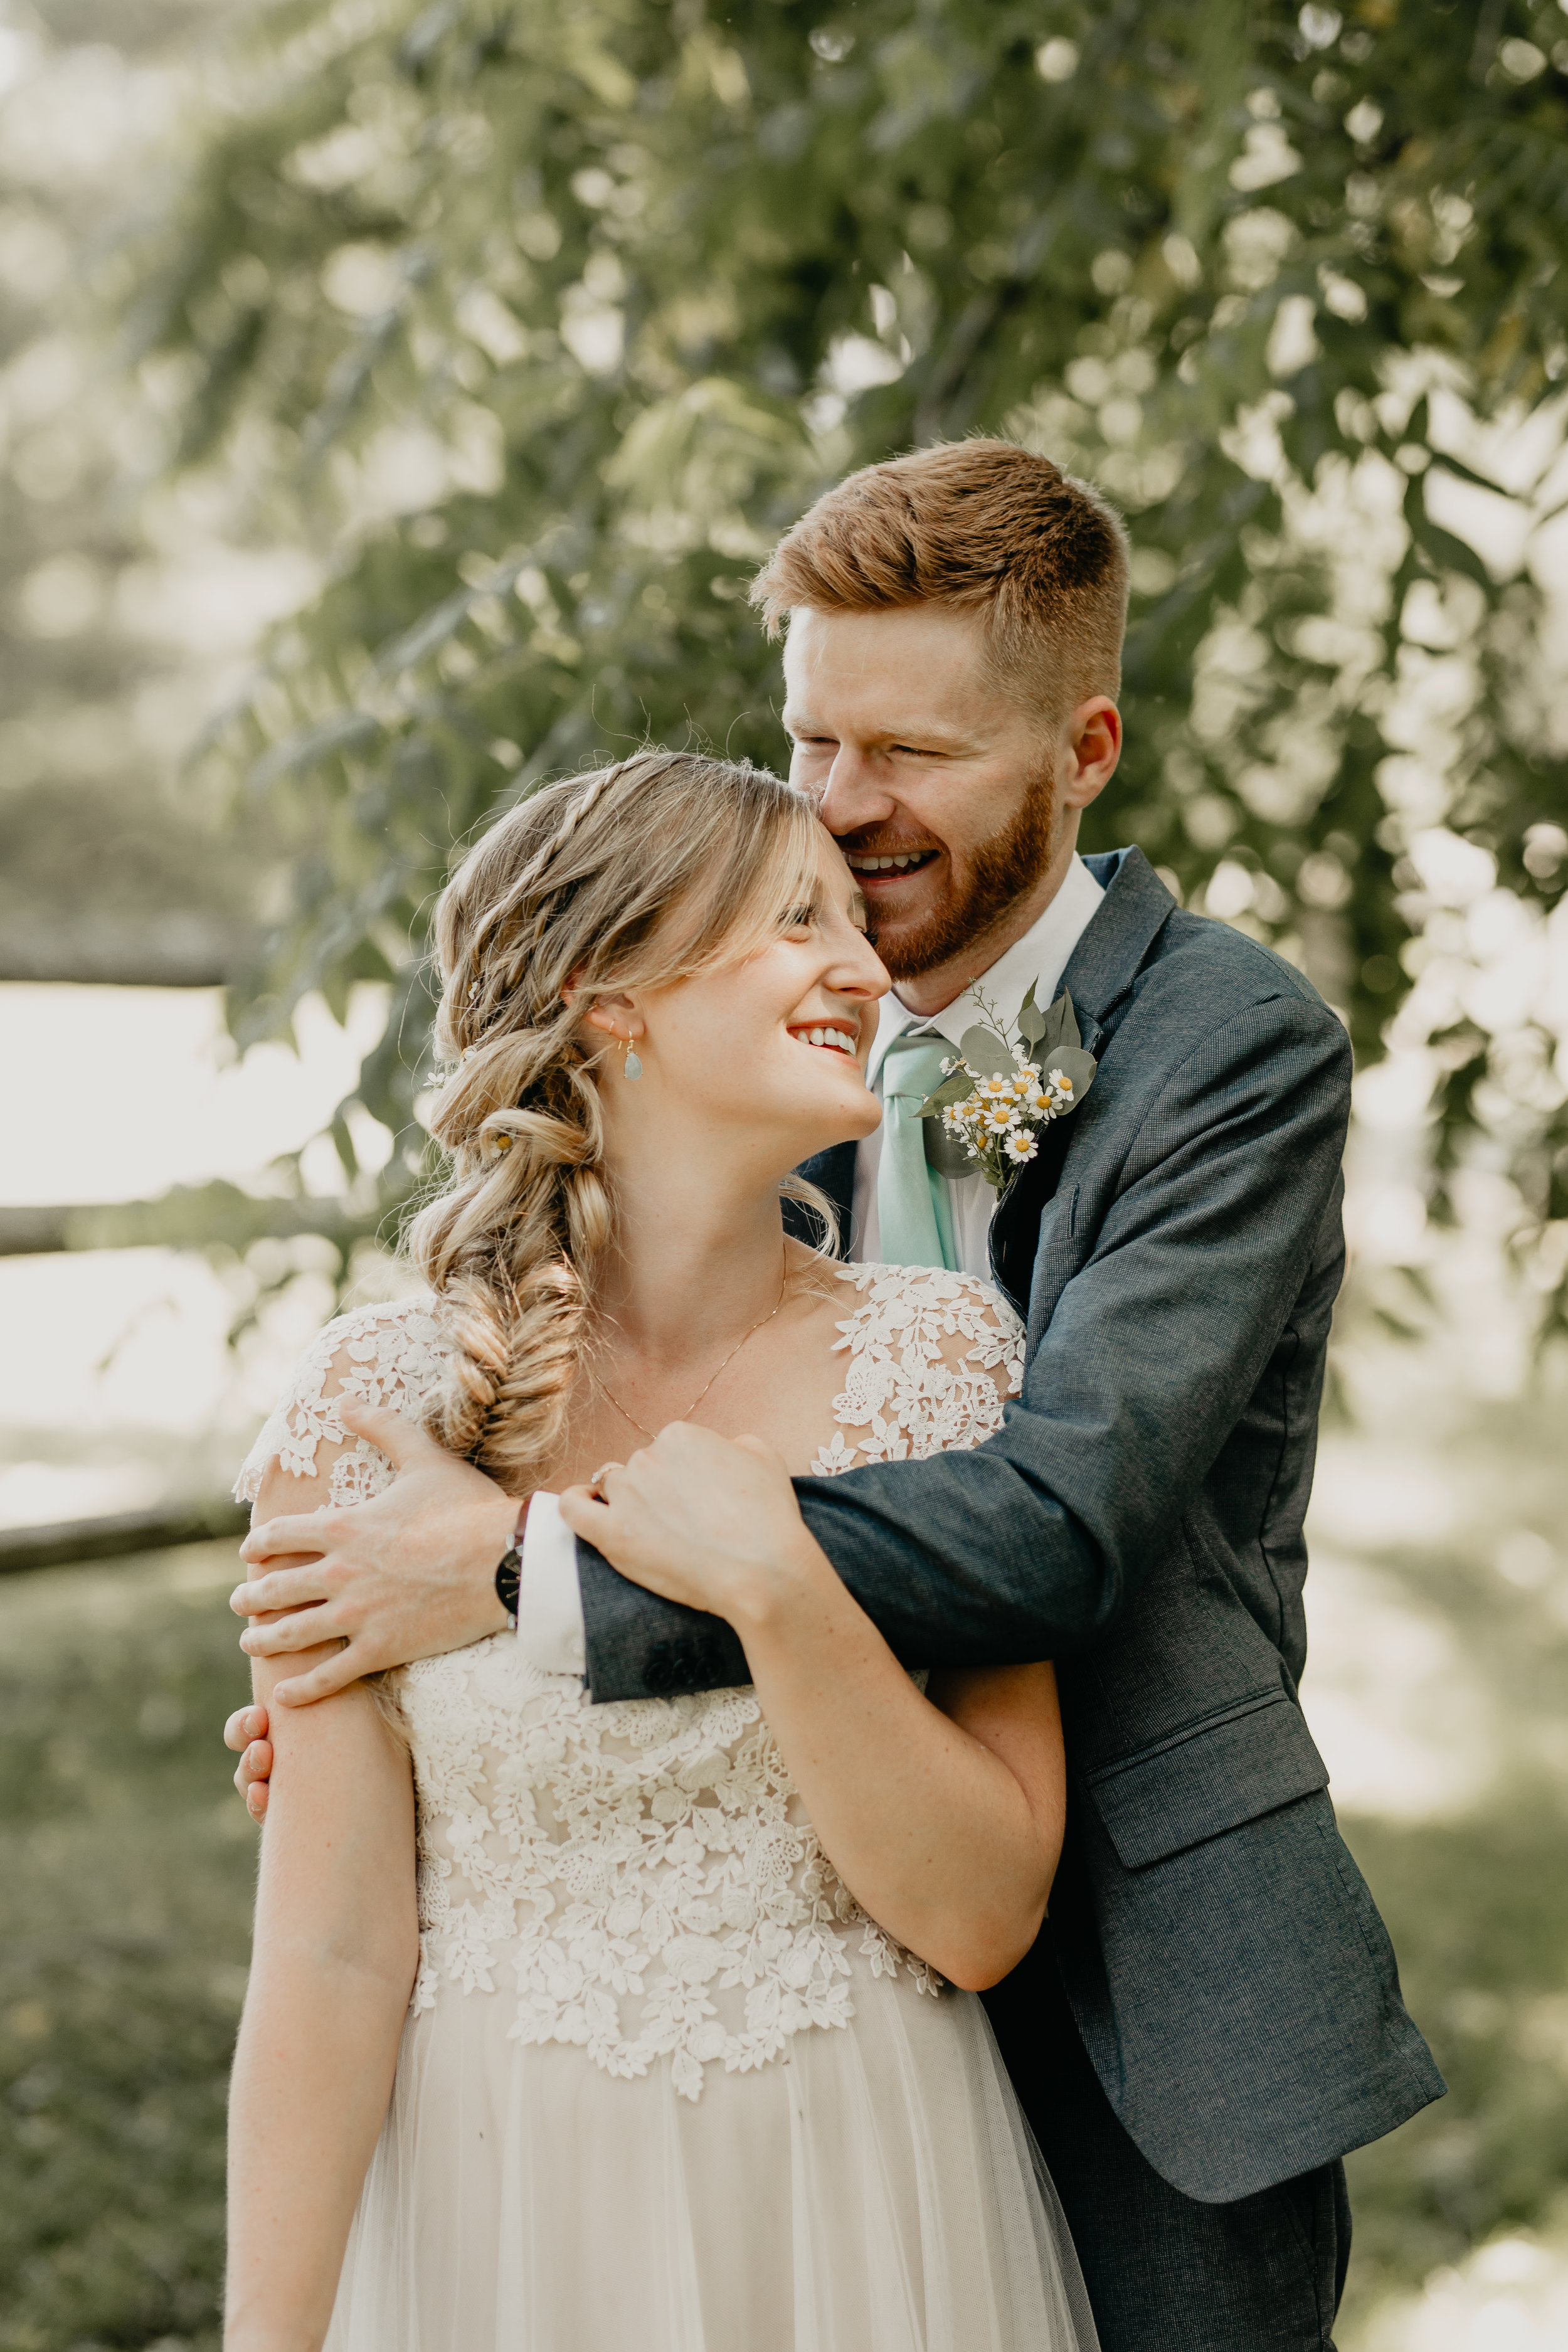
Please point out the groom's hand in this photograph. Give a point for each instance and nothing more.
(409, 1574)
(246, 1733)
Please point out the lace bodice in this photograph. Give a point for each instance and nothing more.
(641, 1874)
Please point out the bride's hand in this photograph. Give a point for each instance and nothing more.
(708, 1520)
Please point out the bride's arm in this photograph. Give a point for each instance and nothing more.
(942, 1814)
(336, 1945)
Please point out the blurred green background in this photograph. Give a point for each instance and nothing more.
(395, 399)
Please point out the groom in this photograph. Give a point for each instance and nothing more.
(1211, 2018)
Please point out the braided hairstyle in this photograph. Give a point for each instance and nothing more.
(635, 877)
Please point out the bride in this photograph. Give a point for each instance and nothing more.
(576, 2028)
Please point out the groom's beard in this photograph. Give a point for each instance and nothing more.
(1000, 872)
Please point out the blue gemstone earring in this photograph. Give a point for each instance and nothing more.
(632, 1064)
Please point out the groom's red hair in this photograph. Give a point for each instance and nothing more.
(982, 526)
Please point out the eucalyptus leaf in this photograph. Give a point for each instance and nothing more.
(956, 1089)
(947, 1153)
(1052, 1025)
(1058, 1028)
(987, 1054)
(1077, 1065)
(1031, 1020)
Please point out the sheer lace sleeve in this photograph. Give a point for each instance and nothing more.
(388, 1356)
(933, 1358)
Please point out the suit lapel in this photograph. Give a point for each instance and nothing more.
(1099, 977)
(1111, 953)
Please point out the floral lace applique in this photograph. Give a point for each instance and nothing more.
(642, 1873)
(910, 1388)
(389, 1355)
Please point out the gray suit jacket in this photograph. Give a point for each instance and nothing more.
(1175, 1250)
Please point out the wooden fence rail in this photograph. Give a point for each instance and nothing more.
(66, 1543)
(192, 1216)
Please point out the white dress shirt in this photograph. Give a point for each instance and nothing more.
(549, 1603)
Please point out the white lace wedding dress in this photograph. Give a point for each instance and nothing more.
(664, 2086)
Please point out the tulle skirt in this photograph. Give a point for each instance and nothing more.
(874, 2190)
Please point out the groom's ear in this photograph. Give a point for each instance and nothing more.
(1094, 747)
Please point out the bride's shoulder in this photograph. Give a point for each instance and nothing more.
(389, 1353)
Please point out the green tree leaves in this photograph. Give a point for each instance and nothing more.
(543, 322)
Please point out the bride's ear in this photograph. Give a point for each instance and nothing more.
(617, 1016)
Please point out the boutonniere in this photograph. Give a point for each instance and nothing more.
(997, 1094)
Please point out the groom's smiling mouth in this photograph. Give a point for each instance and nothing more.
(879, 868)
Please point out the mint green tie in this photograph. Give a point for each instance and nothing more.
(913, 1217)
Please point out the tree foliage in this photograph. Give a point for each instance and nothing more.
(545, 320)
(107, 870)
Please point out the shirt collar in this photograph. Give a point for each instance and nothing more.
(1041, 957)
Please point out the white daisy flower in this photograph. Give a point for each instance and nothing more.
(1020, 1147)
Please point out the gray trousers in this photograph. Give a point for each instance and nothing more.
(1166, 2273)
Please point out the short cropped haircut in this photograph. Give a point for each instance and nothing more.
(980, 526)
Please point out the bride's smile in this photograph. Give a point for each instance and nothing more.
(843, 1041)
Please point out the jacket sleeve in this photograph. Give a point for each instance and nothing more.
(1032, 1545)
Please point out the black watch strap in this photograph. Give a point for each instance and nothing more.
(508, 1570)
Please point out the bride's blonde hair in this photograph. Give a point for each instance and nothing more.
(635, 877)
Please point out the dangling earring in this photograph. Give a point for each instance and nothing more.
(631, 1064)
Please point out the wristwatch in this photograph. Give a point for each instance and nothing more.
(508, 1570)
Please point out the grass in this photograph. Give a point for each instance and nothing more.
(1479, 1916)
(127, 1862)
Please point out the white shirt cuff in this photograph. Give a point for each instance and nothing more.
(549, 1599)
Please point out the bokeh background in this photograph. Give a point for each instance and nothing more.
(394, 402)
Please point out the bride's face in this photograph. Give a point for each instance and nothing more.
(773, 1049)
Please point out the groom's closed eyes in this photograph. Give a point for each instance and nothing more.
(808, 735)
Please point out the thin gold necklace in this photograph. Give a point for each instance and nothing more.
(631, 1417)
